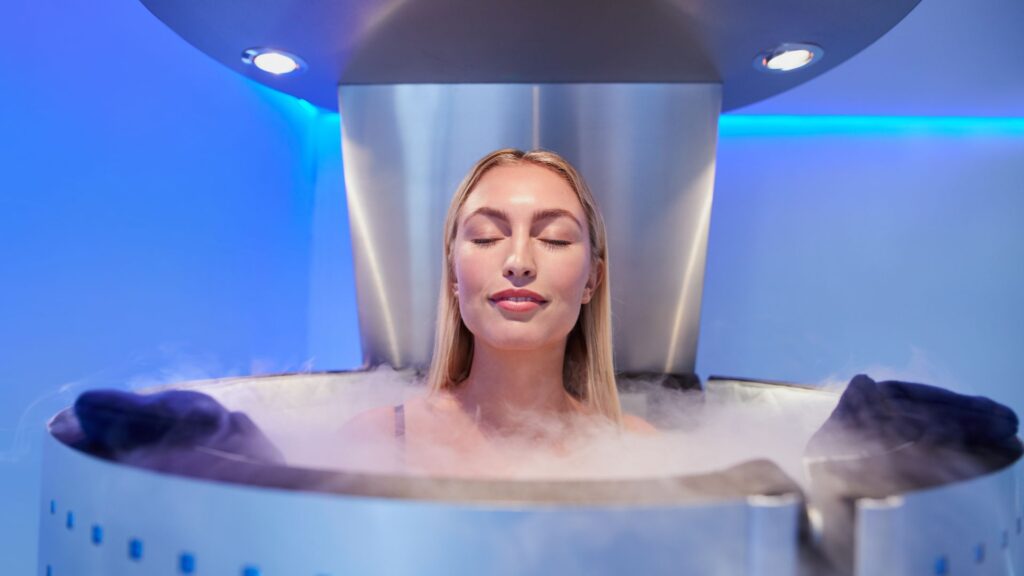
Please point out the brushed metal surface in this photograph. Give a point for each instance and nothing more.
(647, 152)
(530, 41)
(228, 527)
(968, 527)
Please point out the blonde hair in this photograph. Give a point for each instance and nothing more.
(588, 373)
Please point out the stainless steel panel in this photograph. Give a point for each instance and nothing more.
(646, 150)
(970, 527)
(773, 522)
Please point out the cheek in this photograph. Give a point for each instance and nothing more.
(571, 274)
(471, 271)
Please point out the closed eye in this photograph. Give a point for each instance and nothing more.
(557, 243)
(550, 243)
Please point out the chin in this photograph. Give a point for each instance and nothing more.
(518, 344)
(538, 339)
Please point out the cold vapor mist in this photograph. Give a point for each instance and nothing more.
(698, 432)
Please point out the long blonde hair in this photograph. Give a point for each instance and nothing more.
(588, 373)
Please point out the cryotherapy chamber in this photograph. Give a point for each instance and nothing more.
(630, 93)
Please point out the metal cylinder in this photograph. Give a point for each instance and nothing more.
(646, 150)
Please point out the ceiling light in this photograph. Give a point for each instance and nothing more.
(788, 57)
(273, 62)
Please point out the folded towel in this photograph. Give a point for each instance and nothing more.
(127, 426)
(875, 417)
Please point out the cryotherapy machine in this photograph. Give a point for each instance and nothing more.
(630, 93)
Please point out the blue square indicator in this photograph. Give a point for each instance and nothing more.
(186, 563)
(135, 549)
(97, 534)
(70, 522)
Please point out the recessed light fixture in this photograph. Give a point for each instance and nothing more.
(788, 57)
(276, 62)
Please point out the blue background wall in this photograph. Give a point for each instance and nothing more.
(164, 218)
(887, 245)
(155, 216)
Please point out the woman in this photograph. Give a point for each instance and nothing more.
(523, 343)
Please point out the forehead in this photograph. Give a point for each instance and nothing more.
(522, 189)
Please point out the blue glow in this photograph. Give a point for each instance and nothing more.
(739, 125)
(135, 549)
(70, 520)
(97, 534)
(187, 563)
(307, 107)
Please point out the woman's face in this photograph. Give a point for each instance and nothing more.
(522, 228)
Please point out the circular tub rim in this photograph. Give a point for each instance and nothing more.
(752, 478)
(755, 478)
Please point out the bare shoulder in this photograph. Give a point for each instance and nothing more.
(637, 424)
(370, 424)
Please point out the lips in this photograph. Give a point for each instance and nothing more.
(517, 295)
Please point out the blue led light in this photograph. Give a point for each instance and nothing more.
(135, 549)
(979, 553)
(740, 125)
(307, 107)
(97, 534)
(250, 571)
(49, 570)
(941, 566)
(187, 563)
(53, 506)
(70, 523)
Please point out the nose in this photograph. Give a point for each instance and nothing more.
(520, 260)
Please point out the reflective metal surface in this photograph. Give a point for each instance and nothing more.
(304, 522)
(646, 150)
(970, 527)
(530, 41)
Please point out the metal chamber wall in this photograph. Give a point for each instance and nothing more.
(647, 152)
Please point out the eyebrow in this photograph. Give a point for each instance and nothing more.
(546, 214)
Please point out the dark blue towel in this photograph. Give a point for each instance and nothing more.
(880, 416)
(126, 426)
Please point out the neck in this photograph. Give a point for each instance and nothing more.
(505, 383)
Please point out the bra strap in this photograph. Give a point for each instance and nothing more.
(400, 421)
